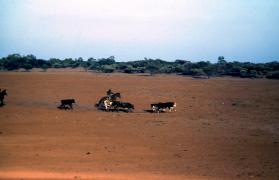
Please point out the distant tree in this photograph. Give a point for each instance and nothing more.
(186, 68)
(181, 62)
(91, 59)
(122, 66)
(14, 57)
(68, 62)
(44, 67)
(27, 66)
(209, 70)
(181, 69)
(10, 65)
(253, 74)
(273, 75)
(152, 69)
(56, 63)
(198, 72)
(85, 65)
(166, 69)
(40, 63)
(201, 64)
(107, 69)
(244, 73)
(127, 69)
(221, 59)
(106, 61)
(222, 67)
(80, 59)
(31, 60)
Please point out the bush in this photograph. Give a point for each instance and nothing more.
(243, 73)
(45, 67)
(27, 67)
(57, 65)
(108, 65)
(253, 74)
(273, 75)
(107, 69)
(198, 72)
(166, 69)
(107, 61)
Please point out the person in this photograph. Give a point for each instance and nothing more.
(109, 92)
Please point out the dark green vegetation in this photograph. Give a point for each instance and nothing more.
(152, 66)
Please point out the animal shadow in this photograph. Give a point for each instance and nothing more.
(151, 111)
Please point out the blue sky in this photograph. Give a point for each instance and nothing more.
(133, 29)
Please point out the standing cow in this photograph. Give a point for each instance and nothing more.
(2, 96)
(66, 104)
(162, 107)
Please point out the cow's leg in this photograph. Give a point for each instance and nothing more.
(64, 106)
(61, 106)
(2, 101)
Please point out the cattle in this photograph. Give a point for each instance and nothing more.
(2, 95)
(100, 104)
(105, 102)
(124, 106)
(66, 104)
(162, 107)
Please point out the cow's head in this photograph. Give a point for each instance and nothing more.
(154, 108)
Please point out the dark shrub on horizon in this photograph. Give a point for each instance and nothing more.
(152, 66)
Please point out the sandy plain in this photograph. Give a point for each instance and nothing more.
(224, 128)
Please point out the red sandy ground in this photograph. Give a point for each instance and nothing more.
(224, 128)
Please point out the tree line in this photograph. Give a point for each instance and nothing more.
(147, 65)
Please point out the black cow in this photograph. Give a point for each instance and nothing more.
(162, 107)
(2, 95)
(66, 104)
(117, 105)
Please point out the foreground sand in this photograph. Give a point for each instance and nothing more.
(224, 128)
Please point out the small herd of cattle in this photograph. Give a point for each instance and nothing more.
(108, 103)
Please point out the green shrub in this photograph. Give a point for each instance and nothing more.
(273, 75)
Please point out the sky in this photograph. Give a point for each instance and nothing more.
(195, 30)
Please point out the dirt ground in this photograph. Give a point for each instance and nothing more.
(224, 128)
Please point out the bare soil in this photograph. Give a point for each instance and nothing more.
(224, 128)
